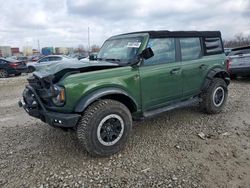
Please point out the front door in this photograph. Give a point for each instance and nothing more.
(160, 75)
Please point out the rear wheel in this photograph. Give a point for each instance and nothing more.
(104, 127)
(214, 98)
(3, 73)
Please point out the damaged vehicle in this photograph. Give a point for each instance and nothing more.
(136, 76)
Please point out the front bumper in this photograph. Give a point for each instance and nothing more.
(33, 105)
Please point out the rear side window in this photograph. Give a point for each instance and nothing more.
(164, 51)
(43, 60)
(213, 45)
(190, 48)
(55, 58)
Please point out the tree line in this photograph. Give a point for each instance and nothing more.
(237, 41)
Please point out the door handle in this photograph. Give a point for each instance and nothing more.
(203, 67)
(175, 71)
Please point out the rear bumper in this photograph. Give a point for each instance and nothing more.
(35, 108)
(17, 70)
(240, 71)
(22, 70)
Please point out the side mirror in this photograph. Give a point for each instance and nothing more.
(147, 53)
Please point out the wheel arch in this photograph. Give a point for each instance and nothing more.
(107, 93)
(216, 73)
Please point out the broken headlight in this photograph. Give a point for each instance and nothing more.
(59, 97)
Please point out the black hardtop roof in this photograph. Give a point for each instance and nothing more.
(166, 33)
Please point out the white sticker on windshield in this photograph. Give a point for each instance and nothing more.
(134, 44)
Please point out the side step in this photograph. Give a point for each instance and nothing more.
(157, 111)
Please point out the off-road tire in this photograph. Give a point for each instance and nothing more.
(3, 73)
(87, 126)
(208, 104)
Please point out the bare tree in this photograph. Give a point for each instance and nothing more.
(238, 40)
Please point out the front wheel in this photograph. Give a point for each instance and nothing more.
(104, 127)
(215, 96)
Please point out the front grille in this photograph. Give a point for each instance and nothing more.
(37, 83)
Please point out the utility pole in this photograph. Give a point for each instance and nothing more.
(38, 43)
(88, 41)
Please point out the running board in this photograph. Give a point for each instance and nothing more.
(157, 111)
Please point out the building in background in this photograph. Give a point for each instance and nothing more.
(71, 50)
(62, 50)
(27, 51)
(15, 51)
(35, 52)
(48, 50)
(5, 51)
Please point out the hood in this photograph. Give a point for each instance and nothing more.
(59, 69)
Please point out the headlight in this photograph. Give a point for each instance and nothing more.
(59, 98)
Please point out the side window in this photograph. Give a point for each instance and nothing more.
(190, 48)
(164, 51)
(55, 58)
(213, 45)
(43, 60)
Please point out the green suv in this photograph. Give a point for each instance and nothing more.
(136, 75)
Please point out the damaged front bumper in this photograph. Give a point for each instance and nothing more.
(33, 105)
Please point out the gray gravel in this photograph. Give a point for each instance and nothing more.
(165, 151)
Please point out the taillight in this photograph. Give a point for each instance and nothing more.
(14, 64)
(229, 61)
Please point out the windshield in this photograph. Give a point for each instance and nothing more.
(120, 50)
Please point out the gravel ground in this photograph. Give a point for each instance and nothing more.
(162, 152)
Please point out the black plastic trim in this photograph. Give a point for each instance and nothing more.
(95, 95)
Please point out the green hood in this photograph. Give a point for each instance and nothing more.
(62, 67)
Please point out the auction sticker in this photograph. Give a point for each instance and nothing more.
(134, 44)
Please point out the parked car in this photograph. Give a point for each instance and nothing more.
(91, 57)
(32, 66)
(239, 62)
(11, 66)
(23, 59)
(137, 75)
(227, 51)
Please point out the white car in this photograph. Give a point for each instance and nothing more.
(44, 61)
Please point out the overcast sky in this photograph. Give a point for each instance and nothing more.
(66, 22)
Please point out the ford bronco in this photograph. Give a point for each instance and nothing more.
(136, 75)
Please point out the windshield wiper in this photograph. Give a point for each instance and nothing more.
(112, 59)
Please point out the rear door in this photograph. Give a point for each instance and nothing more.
(192, 65)
(161, 75)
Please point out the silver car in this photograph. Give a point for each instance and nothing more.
(239, 62)
(44, 61)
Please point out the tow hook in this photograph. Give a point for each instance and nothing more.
(20, 104)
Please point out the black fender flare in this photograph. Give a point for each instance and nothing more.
(216, 72)
(97, 94)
